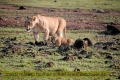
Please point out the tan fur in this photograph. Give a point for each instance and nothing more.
(62, 41)
(49, 42)
(48, 25)
(85, 44)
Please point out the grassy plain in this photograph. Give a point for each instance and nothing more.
(28, 57)
(15, 61)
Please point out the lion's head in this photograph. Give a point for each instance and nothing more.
(53, 39)
(30, 23)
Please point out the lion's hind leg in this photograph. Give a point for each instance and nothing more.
(59, 33)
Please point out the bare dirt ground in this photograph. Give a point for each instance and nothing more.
(12, 15)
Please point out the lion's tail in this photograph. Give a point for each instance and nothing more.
(89, 41)
(64, 31)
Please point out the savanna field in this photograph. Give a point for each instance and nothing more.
(85, 19)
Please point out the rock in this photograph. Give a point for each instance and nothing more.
(108, 79)
(118, 77)
(100, 11)
(69, 57)
(15, 48)
(63, 48)
(79, 57)
(89, 55)
(22, 8)
(83, 52)
(78, 44)
(31, 43)
(38, 67)
(115, 49)
(40, 49)
(13, 39)
(1, 56)
(1, 18)
(112, 66)
(76, 69)
(112, 29)
(106, 62)
(55, 0)
(109, 57)
(37, 62)
(50, 64)
(41, 43)
(31, 54)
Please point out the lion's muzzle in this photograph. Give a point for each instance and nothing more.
(28, 30)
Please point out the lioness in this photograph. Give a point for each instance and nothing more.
(58, 41)
(48, 25)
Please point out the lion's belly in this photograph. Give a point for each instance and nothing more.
(53, 28)
(64, 41)
(52, 31)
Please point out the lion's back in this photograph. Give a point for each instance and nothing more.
(67, 41)
(54, 20)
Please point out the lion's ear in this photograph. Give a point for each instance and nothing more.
(34, 17)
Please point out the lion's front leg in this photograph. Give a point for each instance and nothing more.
(57, 42)
(85, 45)
(36, 37)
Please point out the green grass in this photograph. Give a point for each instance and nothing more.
(84, 4)
(16, 62)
